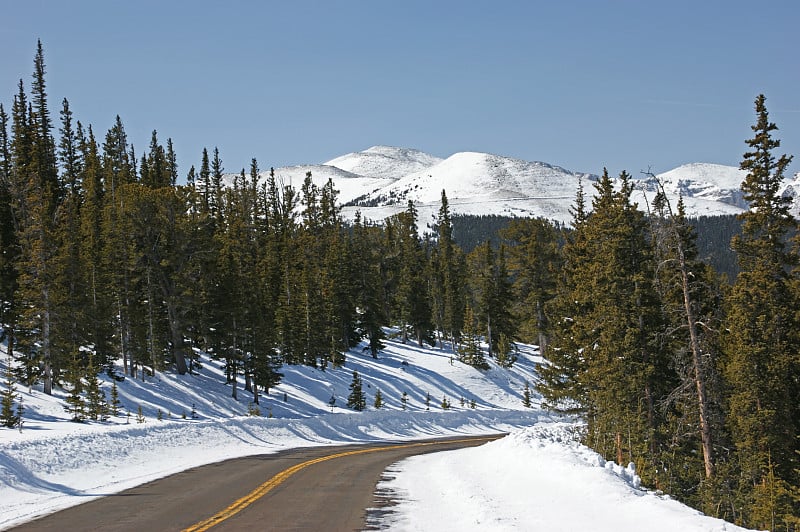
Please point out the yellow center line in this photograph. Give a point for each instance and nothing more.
(240, 504)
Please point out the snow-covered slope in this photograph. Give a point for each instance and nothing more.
(385, 162)
(380, 180)
(191, 420)
(707, 189)
(479, 183)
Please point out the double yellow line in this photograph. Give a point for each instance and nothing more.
(240, 504)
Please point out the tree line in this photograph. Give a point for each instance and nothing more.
(105, 257)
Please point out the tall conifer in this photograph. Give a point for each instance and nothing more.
(761, 351)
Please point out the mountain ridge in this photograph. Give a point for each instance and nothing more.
(380, 181)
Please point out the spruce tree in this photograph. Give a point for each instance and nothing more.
(491, 288)
(761, 348)
(533, 263)
(608, 361)
(76, 404)
(690, 294)
(469, 349)
(114, 403)
(413, 303)
(37, 193)
(526, 396)
(9, 245)
(8, 416)
(367, 259)
(356, 399)
(448, 269)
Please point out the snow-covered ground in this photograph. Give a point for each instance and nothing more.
(537, 478)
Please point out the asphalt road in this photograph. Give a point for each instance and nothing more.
(309, 489)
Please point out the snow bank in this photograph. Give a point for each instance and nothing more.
(538, 478)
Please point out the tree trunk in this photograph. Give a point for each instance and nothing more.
(489, 333)
(178, 346)
(46, 343)
(699, 380)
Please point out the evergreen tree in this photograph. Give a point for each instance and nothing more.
(491, 288)
(356, 400)
(8, 416)
(561, 384)
(76, 405)
(114, 404)
(413, 306)
(526, 396)
(367, 266)
(378, 404)
(608, 360)
(690, 295)
(9, 245)
(97, 407)
(37, 193)
(448, 277)
(761, 349)
(96, 265)
(469, 350)
(533, 262)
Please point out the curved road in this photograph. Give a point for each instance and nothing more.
(313, 489)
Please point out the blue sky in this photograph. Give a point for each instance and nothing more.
(581, 84)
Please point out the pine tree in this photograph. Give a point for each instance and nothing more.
(8, 416)
(96, 270)
(76, 405)
(378, 404)
(561, 383)
(469, 350)
(607, 360)
(114, 404)
(356, 400)
(96, 404)
(761, 349)
(367, 265)
(533, 262)
(492, 296)
(414, 309)
(9, 245)
(526, 396)
(448, 277)
(690, 297)
(37, 192)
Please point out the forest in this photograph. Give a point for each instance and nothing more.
(689, 370)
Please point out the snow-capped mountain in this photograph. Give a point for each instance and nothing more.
(480, 183)
(385, 162)
(380, 181)
(707, 189)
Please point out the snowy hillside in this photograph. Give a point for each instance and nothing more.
(380, 181)
(192, 420)
(385, 162)
(481, 183)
